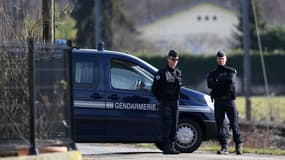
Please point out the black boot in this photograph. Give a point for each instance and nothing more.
(239, 149)
(223, 151)
(168, 148)
(173, 148)
(170, 151)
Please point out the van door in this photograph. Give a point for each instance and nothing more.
(89, 97)
(132, 113)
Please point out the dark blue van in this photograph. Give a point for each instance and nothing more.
(113, 102)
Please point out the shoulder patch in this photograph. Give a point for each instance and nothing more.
(157, 77)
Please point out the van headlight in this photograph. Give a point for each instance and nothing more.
(209, 102)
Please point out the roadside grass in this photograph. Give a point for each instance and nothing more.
(263, 108)
(214, 147)
(145, 145)
(269, 151)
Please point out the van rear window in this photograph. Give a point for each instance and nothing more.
(86, 74)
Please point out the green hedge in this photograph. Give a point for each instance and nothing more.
(195, 68)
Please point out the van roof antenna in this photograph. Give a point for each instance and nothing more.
(100, 46)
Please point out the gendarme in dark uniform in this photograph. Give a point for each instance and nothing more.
(222, 83)
(166, 89)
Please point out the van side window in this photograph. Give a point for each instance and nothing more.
(129, 76)
(86, 74)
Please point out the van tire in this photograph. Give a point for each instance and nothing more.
(189, 136)
(191, 128)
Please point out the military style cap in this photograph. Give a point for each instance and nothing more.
(221, 53)
(172, 53)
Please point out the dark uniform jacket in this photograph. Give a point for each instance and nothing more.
(167, 83)
(222, 83)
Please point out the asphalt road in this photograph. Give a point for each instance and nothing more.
(129, 152)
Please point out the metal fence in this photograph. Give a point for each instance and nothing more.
(35, 95)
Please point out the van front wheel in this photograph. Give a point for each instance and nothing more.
(189, 136)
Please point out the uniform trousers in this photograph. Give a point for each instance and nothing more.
(169, 118)
(228, 107)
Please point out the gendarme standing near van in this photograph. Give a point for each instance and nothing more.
(222, 82)
(166, 88)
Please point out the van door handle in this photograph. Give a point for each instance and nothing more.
(114, 97)
(96, 96)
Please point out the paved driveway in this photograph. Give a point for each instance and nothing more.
(129, 152)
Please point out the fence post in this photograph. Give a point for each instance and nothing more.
(31, 82)
(69, 58)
